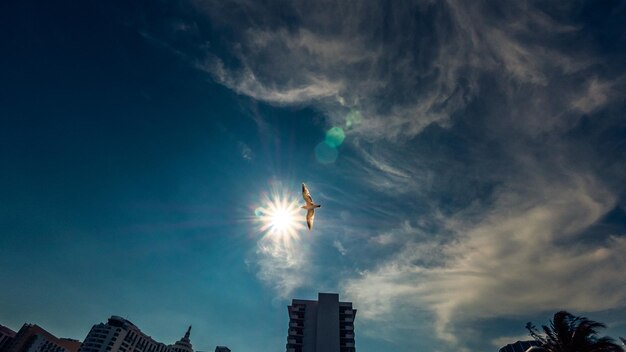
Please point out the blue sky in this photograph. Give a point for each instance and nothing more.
(480, 184)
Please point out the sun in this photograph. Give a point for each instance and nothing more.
(281, 220)
(279, 216)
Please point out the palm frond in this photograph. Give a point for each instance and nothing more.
(569, 333)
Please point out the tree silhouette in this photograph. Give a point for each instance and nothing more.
(568, 333)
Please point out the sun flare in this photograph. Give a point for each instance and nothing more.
(279, 216)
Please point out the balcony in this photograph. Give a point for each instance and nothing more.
(293, 344)
(294, 332)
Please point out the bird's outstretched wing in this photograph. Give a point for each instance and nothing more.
(310, 215)
(306, 195)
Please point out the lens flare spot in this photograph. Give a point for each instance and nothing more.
(325, 153)
(258, 212)
(335, 136)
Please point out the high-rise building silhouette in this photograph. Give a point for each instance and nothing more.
(325, 325)
(120, 335)
(33, 338)
(222, 349)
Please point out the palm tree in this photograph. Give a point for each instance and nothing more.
(568, 333)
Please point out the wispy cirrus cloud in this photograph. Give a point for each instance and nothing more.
(399, 73)
(340, 248)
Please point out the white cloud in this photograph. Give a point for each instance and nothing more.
(524, 255)
(309, 89)
(596, 94)
(283, 264)
(340, 248)
(245, 151)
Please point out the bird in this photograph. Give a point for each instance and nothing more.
(309, 206)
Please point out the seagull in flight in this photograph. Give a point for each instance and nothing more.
(309, 206)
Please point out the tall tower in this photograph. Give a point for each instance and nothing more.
(325, 325)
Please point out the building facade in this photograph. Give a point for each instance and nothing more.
(182, 345)
(120, 335)
(325, 325)
(33, 338)
(6, 337)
